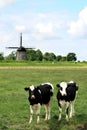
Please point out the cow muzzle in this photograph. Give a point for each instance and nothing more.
(63, 93)
(32, 97)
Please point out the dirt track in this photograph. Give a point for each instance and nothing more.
(43, 67)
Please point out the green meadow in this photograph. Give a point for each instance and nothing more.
(14, 105)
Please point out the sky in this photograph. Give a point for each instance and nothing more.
(57, 26)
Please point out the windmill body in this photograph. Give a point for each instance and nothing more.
(21, 51)
(21, 54)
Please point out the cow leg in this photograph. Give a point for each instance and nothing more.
(49, 112)
(49, 108)
(60, 111)
(71, 109)
(38, 112)
(67, 110)
(31, 113)
(46, 108)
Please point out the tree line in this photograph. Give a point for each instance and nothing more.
(37, 55)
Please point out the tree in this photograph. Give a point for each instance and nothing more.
(59, 58)
(71, 57)
(64, 58)
(39, 55)
(52, 56)
(49, 56)
(31, 55)
(46, 56)
(1, 57)
(11, 56)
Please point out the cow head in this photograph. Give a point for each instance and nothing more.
(62, 88)
(31, 90)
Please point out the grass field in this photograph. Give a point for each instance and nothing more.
(14, 106)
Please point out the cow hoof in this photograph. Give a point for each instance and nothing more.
(67, 119)
(59, 119)
(29, 122)
(37, 122)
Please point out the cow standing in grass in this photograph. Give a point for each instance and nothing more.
(66, 95)
(40, 95)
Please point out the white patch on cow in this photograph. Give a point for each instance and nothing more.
(62, 102)
(71, 81)
(32, 88)
(63, 85)
(52, 87)
(39, 91)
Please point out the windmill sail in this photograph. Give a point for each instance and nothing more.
(15, 47)
(20, 39)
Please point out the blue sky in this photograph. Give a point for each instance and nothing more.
(58, 26)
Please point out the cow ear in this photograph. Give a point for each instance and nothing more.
(58, 85)
(26, 89)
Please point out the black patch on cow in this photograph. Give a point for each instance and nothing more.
(46, 93)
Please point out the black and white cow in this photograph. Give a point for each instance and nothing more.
(40, 95)
(66, 95)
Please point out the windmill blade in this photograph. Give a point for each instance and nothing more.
(29, 48)
(19, 47)
(12, 47)
(20, 39)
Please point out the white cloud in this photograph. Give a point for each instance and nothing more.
(48, 26)
(46, 36)
(79, 28)
(20, 28)
(42, 15)
(5, 38)
(4, 3)
(44, 28)
(46, 31)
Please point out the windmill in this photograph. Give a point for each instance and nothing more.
(21, 51)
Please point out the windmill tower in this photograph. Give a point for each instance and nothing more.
(21, 51)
